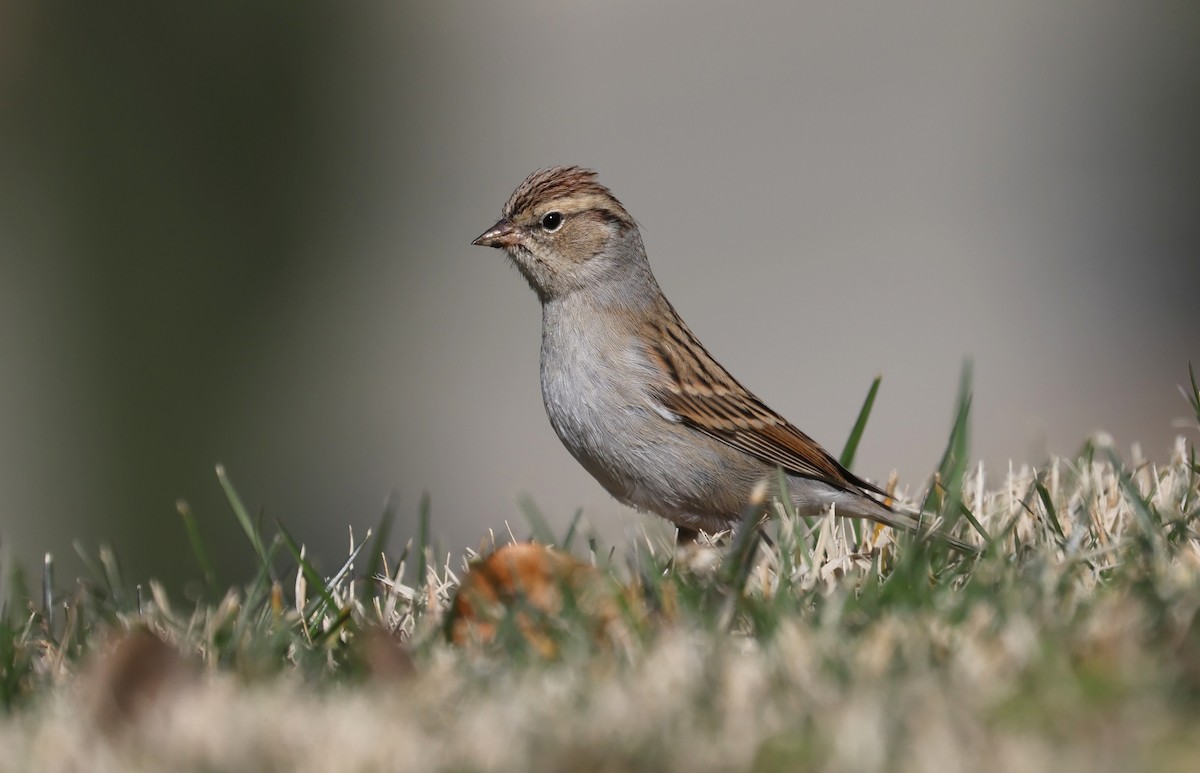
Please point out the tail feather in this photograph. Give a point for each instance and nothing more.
(854, 505)
(812, 497)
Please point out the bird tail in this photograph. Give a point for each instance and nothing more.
(862, 507)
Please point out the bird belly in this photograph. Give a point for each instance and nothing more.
(596, 387)
(641, 458)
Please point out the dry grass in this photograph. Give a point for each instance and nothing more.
(1071, 643)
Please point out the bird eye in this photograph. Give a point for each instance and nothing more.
(551, 221)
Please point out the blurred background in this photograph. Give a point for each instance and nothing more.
(240, 233)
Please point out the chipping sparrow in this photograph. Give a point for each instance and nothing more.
(632, 393)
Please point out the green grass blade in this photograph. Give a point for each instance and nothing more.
(851, 448)
(946, 493)
(310, 574)
(860, 425)
(569, 537)
(242, 515)
(422, 539)
(1147, 516)
(965, 512)
(1051, 513)
(378, 546)
(258, 590)
(1193, 398)
(193, 534)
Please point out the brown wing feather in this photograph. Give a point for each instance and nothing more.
(708, 399)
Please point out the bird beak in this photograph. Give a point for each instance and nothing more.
(502, 234)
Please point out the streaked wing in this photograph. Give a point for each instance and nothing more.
(705, 397)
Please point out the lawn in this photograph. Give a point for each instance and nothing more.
(1070, 642)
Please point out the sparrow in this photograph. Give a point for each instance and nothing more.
(633, 394)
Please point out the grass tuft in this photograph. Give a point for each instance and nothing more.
(1071, 643)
